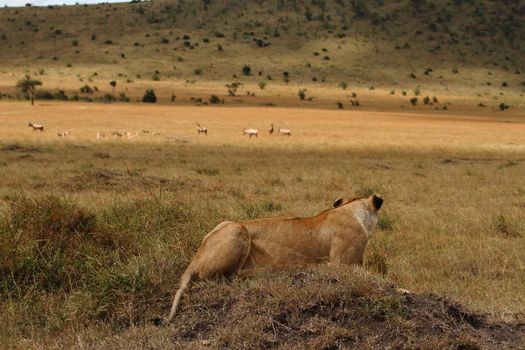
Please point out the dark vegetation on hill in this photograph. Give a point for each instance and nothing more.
(381, 42)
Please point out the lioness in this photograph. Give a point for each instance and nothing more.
(337, 236)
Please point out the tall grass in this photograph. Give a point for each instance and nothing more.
(105, 258)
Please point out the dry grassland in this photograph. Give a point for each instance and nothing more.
(94, 234)
(453, 221)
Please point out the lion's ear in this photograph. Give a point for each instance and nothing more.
(377, 201)
(338, 202)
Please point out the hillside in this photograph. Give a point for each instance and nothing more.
(468, 49)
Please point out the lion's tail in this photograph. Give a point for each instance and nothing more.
(184, 284)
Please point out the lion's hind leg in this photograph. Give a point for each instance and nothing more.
(222, 253)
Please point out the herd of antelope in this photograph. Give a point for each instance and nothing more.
(255, 132)
(131, 135)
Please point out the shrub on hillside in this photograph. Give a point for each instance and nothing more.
(108, 98)
(86, 89)
(246, 70)
(286, 76)
(214, 99)
(149, 96)
(503, 106)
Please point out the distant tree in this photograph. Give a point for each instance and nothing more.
(262, 85)
(286, 76)
(214, 99)
(113, 84)
(246, 70)
(413, 101)
(343, 85)
(232, 88)
(302, 94)
(149, 97)
(86, 89)
(502, 106)
(28, 86)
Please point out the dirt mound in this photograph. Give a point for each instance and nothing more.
(330, 308)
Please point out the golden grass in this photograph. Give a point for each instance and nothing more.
(447, 181)
(453, 221)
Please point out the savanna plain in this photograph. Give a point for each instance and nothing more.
(405, 99)
(95, 233)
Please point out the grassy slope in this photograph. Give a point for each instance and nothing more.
(483, 40)
(95, 236)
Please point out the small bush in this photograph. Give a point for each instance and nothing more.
(302, 94)
(149, 96)
(232, 88)
(502, 106)
(286, 76)
(246, 70)
(413, 101)
(122, 97)
(108, 98)
(214, 99)
(86, 89)
(343, 85)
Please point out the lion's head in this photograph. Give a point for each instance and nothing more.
(364, 210)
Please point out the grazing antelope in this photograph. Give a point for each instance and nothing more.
(116, 134)
(285, 132)
(144, 131)
(63, 134)
(101, 135)
(202, 129)
(250, 132)
(131, 135)
(270, 130)
(36, 127)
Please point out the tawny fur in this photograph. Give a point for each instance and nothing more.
(336, 236)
